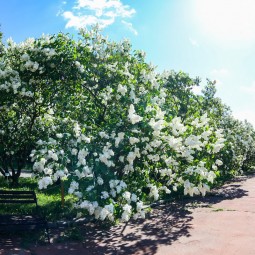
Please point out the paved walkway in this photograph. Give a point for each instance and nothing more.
(222, 224)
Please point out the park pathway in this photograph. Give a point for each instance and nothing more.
(222, 223)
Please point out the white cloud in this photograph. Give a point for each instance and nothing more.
(220, 72)
(193, 42)
(85, 20)
(249, 89)
(130, 27)
(219, 75)
(248, 115)
(102, 12)
(100, 6)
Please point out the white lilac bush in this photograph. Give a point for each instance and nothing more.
(95, 113)
(114, 173)
(239, 148)
(127, 149)
(238, 153)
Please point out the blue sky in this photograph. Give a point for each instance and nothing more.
(207, 38)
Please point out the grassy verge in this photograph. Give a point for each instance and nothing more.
(49, 201)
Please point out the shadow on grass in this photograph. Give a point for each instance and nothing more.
(15, 242)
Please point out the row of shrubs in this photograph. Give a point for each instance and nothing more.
(96, 113)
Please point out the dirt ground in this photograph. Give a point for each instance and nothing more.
(222, 223)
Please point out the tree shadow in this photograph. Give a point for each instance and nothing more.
(229, 191)
(164, 225)
(19, 242)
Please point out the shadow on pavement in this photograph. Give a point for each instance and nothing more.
(165, 224)
(229, 191)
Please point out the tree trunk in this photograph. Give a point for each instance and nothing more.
(2, 171)
(15, 175)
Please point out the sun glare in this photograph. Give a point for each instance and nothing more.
(227, 20)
